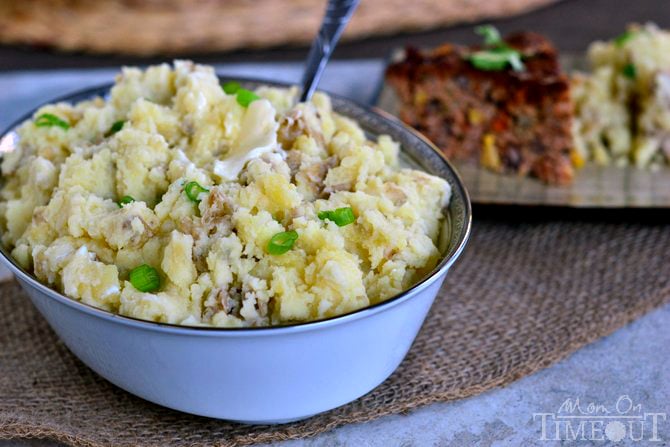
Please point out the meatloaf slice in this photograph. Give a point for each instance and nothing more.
(510, 121)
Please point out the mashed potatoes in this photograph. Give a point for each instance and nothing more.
(623, 107)
(99, 188)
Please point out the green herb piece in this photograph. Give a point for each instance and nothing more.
(193, 190)
(231, 87)
(125, 200)
(624, 37)
(145, 278)
(496, 60)
(341, 216)
(246, 97)
(629, 71)
(490, 34)
(49, 119)
(282, 242)
(497, 55)
(118, 125)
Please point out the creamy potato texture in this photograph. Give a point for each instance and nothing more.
(622, 109)
(269, 167)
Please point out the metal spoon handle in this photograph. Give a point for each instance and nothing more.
(338, 13)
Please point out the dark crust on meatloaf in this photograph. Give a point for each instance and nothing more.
(528, 113)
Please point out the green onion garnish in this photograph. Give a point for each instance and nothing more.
(118, 125)
(246, 97)
(624, 37)
(496, 60)
(282, 242)
(125, 200)
(629, 71)
(193, 190)
(341, 216)
(231, 87)
(490, 34)
(145, 278)
(48, 120)
(497, 55)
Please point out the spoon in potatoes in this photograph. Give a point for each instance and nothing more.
(338, 13)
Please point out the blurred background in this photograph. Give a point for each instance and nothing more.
(51, 34)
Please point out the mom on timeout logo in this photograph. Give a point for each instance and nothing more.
(623, 420)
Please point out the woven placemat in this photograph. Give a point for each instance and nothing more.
(178, 26)
(523, 296)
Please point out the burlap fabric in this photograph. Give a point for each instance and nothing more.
(523, 296)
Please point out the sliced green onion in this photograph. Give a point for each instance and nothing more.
(49, 119)
(515, 61)
(246, 97)
(145, 278)
(496, 60)
(629, 71)
(341, 216)
(490, 34)
(282, 242)
(498, 55)
(231, 87)
(624, 37)
(125, 200)
(193, 190)
(118, 125)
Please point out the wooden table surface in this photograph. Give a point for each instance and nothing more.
(571, 24)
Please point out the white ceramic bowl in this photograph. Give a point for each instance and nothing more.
(260, 375)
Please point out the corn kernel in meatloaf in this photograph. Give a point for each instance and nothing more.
(268, 168)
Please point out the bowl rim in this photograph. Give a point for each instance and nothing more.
(439, 270)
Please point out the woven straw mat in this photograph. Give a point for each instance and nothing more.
(179, 26)
(523, 296)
